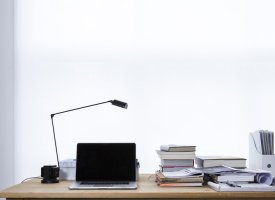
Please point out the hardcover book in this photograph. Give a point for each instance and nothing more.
(177, 162)
(235, 177)
(164, 168)
(177, 148)
(176, 155)
(212, 161)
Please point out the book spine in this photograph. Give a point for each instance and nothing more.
(175, 156)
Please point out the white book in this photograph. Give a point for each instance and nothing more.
(211, 161)
(171, 168)
(176, 155)
(246, 177)
(177, 148)
(177, 162)
(241, 187)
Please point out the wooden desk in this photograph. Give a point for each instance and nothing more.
(147, 189)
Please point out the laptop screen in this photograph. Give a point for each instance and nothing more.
(106, 162)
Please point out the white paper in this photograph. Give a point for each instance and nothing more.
(265, 178)
(264, 141)
(183, 173)
(257, 141)
(217, 170)
(262, 176)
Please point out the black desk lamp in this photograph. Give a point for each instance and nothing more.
(50, 173)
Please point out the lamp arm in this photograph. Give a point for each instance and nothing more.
(55, 141)
(52, 115)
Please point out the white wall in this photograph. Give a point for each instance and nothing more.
(193, 72)
(6, 94)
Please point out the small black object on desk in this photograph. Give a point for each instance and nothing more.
(50, 173)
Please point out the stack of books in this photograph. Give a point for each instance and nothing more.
(213, 161)
(176, 157)
(185, 177)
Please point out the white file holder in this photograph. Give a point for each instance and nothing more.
(258, 160)
(67, 169)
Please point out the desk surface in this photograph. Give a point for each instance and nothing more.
(147, 189)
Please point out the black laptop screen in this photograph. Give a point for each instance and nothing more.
(106, 162)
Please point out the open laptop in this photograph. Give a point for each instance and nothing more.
(105, 166)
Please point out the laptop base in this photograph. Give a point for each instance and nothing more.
(79, 186)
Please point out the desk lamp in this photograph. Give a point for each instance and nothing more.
(50, 173)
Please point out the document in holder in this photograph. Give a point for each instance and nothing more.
(264, 141)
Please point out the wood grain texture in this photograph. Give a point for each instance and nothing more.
(147, 189)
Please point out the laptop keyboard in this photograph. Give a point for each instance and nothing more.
(104, 183)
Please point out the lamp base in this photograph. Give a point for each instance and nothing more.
(50, 181)
(50, 173)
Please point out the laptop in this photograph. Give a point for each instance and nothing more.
(105, 166)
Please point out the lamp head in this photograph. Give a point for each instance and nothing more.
(119, 104)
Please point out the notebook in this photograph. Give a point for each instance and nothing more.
(105, 166)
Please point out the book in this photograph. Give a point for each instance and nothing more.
(211, 161)
(186, 172)
(176, 155)
(165, 168)
(235, 177)
(177, 148)
(183, 178)
(177, 162)
(161, 178)
(180, 184)
(240, 187)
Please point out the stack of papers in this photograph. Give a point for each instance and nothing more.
(184, 177)
(188, 172)
(261, 176)
(262, 179)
